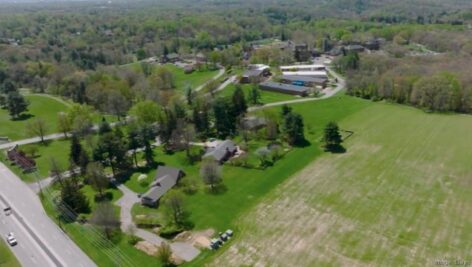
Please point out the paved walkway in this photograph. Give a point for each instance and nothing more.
(182, 250)
(327, 94)
(216, 77)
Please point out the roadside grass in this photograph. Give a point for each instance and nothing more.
(103, 254)
(400, 196)
(7, 259)
(57, 149)
(40, 107)
(266, 96)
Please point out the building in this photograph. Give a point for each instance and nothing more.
(166, 178)
(304, 80)
(19, 158)
(170, 58)
(189, 68)
(354, 48)
(285, 88)
(201, 58)
(255, 73)
(315, 74)
(222, 151)
(313, 67)
(254, 123)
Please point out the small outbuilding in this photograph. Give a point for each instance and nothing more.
(165, 179)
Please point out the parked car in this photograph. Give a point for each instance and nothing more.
(7, 211)
(11, 239)
(229, 233)
(215, 243)
(224, 237)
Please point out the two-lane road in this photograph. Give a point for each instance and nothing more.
(41, 230)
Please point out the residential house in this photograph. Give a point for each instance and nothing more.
(254, 123)
(255, 73)
(165, 179)
(222, 151)
(170, 58)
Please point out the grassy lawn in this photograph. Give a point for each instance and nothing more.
(7, 259)
(57, 149)
(90, 241)
(181, 79)
(266, 96)
(40, 107)
(400, 196)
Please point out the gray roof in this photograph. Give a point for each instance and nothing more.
(254, 122)
(303, 78)
(166, 178)
(172, 56)
(285, 87)
(221, 150)
(253, 73)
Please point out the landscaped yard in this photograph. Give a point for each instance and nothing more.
(266, 96)
(40, 107)
(399, 196)
(7, 259)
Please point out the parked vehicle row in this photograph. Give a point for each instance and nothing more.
(222, 238)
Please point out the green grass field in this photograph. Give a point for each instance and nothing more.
(266, 96)
(40, 107)
(7, 259)
(400, 196)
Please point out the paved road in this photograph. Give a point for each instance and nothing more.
(27, 251)
(53, 241)
(217, 76)
(182, 250)
(327, 94)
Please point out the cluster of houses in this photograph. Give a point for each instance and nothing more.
(189, 63)
(168, 177)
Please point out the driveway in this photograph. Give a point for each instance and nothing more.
(183, 250)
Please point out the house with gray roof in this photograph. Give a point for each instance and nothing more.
(221, 152)
(165, 179)
(285, 88)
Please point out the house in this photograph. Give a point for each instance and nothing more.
(19, 158)
(166, 178)
(170, 58)
(255, 73)
(304, 80)
(201, 58)
(354, 48)
(285, 88)
(373, 44)
(222, 151)
(254, 123)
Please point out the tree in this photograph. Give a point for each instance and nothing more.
(80, 117)
(189, 94)
(73, 198)
(146, 112)
(225, 119)
(56, 171)
(63, 123)
(239, 102)
(332, 138)
(164, 254)
(75, 150)
(104, 127)
(201, 117)
(210, 171)
(134, 143)
(97, 178)
(254, 96)
(117, 104)
(16, 104)
(83, 161)
(293, 127)
(106, 218)
(38, 128)
(112, 151)
(175, 205)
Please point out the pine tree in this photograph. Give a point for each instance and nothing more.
(75, 150)
(332, 138)
(239, 102)
(225, 119)
(104, 127)
(73, 198)
(16, 104)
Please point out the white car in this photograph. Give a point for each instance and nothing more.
(11, 239)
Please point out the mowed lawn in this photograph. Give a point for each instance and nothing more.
(40, 107)
(7, 259)
(400, 196)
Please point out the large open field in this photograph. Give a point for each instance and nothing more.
(40, 107)
(400, 196)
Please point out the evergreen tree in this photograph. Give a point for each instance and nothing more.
(83, 161)
(75, 150)
(332, 138)
(134, 143)
(225, 119)
(16, 104)
(239, 102)
(293, 127)
(73, 198)
(254, 95)
(104, 127)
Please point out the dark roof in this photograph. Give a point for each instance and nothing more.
(221, 150)
(253, 73)
(303, 78)
(166, 178)
(21, 159)
(285, 87)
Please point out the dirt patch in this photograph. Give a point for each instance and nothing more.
(147, 247)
